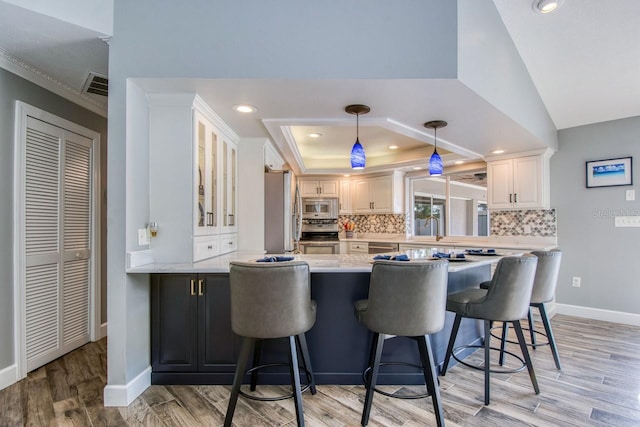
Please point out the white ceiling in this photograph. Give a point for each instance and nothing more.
(584, 59)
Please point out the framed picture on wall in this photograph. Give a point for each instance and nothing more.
(609, 172)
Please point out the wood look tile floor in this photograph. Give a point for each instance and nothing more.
(598, 386)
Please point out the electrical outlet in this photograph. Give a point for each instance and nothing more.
(631, 195)
(527, 229)
(575, 282)
(143, 237)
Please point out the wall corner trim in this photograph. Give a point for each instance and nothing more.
(123, 395)
(632, 319)
(8, 376)
(103, 331)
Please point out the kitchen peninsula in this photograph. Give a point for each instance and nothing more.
(192, 341)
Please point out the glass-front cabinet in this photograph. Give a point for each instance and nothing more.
(206, 188)
(192, 163)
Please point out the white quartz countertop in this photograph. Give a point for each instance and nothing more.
(342, 263)
(512, 243)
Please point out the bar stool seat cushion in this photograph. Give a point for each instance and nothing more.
(459, 302)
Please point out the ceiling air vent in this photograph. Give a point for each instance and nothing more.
(97, 84)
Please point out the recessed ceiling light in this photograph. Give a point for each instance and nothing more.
(459, 162)
(314, 135)
(498, 151)
(346, 175)
(417, 168)
(245, 108)
(546, 6)
(393, 147)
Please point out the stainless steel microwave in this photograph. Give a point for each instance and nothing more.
(319, 208)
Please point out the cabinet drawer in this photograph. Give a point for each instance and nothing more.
(359, 247)
(228, 243)
(205, 247)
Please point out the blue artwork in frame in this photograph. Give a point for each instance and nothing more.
(609, 172)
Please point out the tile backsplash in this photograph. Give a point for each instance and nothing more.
(378, 223)
(543, 223)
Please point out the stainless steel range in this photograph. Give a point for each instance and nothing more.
(319, 236)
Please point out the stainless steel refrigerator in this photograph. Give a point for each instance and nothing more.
(283, 215)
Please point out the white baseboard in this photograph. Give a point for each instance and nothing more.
(8, 376)
(123, 395)
(599, 314)
(103, 331)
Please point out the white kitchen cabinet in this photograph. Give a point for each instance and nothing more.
(518, 183)
(229, 185)
(318, 188)
(344, 197)
(378, 195)
(358, 247)
(192, 178)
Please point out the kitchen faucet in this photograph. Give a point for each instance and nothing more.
(438, 236)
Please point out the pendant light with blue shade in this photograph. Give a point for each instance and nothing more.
(435, 162)
(358, 158)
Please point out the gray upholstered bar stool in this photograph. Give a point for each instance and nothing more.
(506, 300)
(544, 290)
(405, 299)
(271, 300)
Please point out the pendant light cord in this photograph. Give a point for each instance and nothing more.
(435, 140)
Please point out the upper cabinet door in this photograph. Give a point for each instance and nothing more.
(527, 182)
(382, 194)
(361, 199)
(206, 192)
(229, 184)
(318, 188)
(500, 184)
(328, 188)
(344, 201)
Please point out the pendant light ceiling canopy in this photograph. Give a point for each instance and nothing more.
(358, 158)
(435, 162)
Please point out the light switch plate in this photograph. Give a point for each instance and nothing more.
(143, 237)
(631, 195)
(628, 221)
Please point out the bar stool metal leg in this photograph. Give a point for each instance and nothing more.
(503, 343)
(525, 353)
(550, 337)
(306, 361)
(532, 330)
(452, 340)
(295, 380)
(377, 343)
(257, 353)
(430, 376)
(487, 360)
(247, 343)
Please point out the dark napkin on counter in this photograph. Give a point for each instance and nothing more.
(401, 257)
(460, 256)
(440, 255)
(385, 257)
(275, 259)
(474, 251)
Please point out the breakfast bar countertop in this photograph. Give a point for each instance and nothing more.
(341, 263)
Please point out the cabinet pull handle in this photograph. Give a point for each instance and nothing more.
(510, 197)
(200, 293)
(232, 220)
(515, 197)
(209, 219)
(193, 287)
(210, 247)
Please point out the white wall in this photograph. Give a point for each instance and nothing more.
(605, 257)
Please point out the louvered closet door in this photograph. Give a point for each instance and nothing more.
(58, 174)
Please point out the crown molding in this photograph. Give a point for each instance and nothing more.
(32, 74)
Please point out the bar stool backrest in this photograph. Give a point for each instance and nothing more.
(271, 300)
(546, 280)
(509, 295)
(407, 298)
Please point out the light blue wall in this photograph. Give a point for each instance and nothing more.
(14, 88)
(605, 257)
(287, 39)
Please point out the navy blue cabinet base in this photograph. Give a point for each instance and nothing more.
(192, 341)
